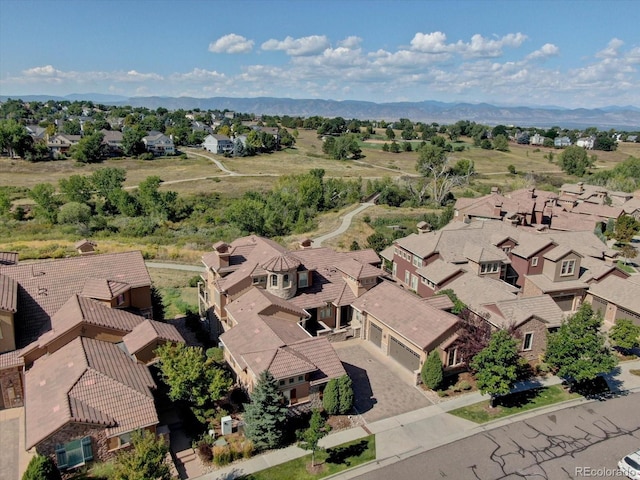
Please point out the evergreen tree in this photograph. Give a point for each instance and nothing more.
(41, 468)
(345, 394)
(265, 416)
(331, 397)
(432, 371)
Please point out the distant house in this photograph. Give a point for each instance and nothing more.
(537, 140)
(218, 144)
(112, 139)
(59, 144)
(201, 127)
(586, 142)
(159, 144)
(562, 142)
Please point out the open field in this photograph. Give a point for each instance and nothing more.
(176, 293)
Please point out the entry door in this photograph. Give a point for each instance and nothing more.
(375, 335)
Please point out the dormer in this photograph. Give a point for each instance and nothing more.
(359, 277)
(562, 264)
(112, 293)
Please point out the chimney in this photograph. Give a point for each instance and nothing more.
(222, 250)
(581, 186)
(497, 209)
(423, 227)
(495, 190)
(306, 243)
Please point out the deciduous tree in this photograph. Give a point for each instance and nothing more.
(625, 334)
(46, 201)
(496, 366)
(434, 165)
(41, 468)
(318, 428)
(578, 349)
(575, 161)
(147, 459)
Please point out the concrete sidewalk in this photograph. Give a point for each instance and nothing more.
(415, 432)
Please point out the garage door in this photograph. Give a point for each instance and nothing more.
(599, 305)
(407, 357)
(565, 303)
(375, 335)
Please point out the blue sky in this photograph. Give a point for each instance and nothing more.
(545, 52)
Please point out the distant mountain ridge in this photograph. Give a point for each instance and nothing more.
(618, 117)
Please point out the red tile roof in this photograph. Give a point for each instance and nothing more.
(8, 294)
(45, 286)
(87, 381)
(149, 331)
(103, 289)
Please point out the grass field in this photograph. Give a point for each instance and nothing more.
(175, 290)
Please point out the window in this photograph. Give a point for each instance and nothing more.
(406, 277)
(291, 380)
(394, 269)
(417, 261)
(120, 299)
(74, 454)
(452, 357)
(534, 262)
(274, 280)
(281, 383)
(301, 378)
(568, 268)
(506, 249)
(286, 283)
(303, 279)
(325, 312)
(528, 341)
(414, 282)
(489, 267)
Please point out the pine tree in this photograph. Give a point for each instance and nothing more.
(331, 397)
(432, 371)
(265, 416)
(41, 468)
(345, 394)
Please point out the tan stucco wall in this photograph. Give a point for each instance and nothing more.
(7, 335)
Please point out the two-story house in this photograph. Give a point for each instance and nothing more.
(159, 144)
(218, 144)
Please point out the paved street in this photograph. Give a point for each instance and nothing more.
(551, 447)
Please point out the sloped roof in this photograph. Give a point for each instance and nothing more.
(149, 331)
(546, 285)
(319, 352)
(87, 381)
(559, 252)
(622, 292)
(475, 291)
(8, 294)
(103, 289)
(517, 311)
(438, 271)
(419, 322)
(281, 263)
(356, 269)
(441, 302)
(8, 258)
(46, 285)
(598, 210)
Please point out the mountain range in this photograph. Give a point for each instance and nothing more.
(616, 117)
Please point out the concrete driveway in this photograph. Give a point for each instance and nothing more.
(13, 458)
(382, 387)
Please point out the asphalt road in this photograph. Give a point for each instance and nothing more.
(585, 441)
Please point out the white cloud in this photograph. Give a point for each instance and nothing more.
(435, 42)
(546, 51)
(231, 43)
(351, 42)
(484, 47)
(198, 74)
(310, 45)
(612, 49)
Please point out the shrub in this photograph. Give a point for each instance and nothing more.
(331, 397)
(432, 371)
(193, 281)
(221, 455)
(41, 468)
(345, 393)
(464, 385)
(205, 452)
(247, 449)
(443, 393)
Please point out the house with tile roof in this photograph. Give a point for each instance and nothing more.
(616, 298)
(76, 337)
(406, 334)
(272, 308)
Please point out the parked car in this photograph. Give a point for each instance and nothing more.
(630, 465)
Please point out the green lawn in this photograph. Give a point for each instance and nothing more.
(627, 268)
(514, 403)
(331, 461)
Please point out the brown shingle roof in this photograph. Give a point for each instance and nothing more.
(148, 331)
(45, 286)
(281, 263)
(417, 321)
(87, 381)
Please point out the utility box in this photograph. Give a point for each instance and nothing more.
(226, 425)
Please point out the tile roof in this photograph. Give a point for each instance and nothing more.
(515, 312)
(87, 381)
(475, 291)
(46, 285)
(418, 321)
(622, 292)
(559, 252)
(441, 302)
(546, 285)
(11, 359)
(319, 352)
(281, 263)
(8, 294)
(149, 331)
(356, 269)
(599, 210)
(8, 258)
(103, 289)
(438, 271)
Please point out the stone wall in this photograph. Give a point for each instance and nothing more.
(11, 388)
(74, 431)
